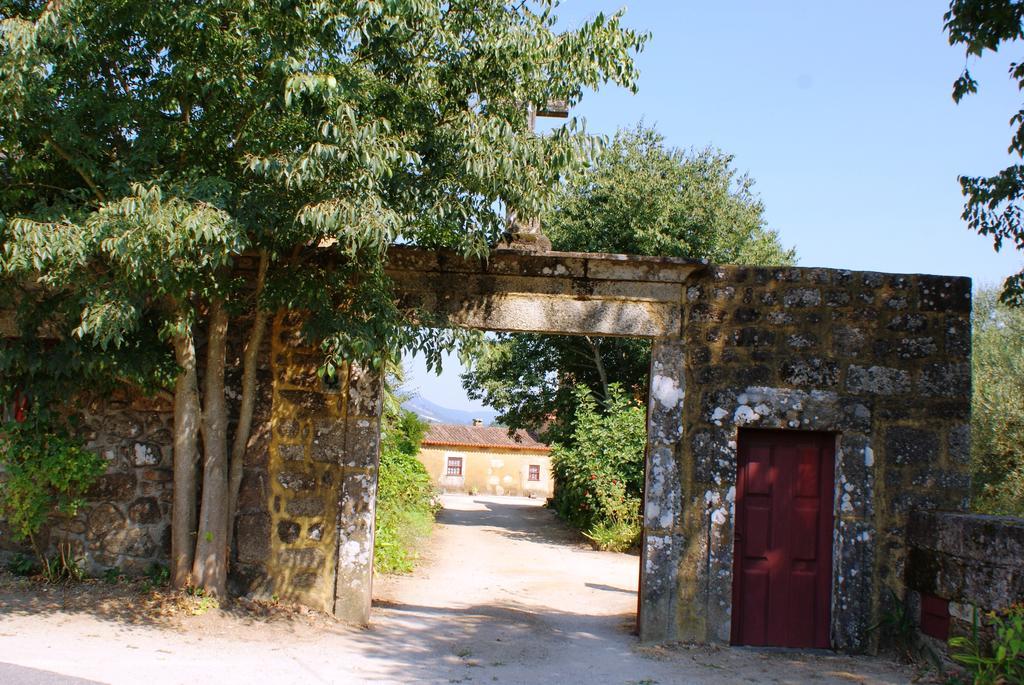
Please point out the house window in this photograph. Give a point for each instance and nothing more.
(534, 472)
(454, 466)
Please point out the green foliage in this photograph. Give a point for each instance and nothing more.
(62, 567)
(157, 575)
(640, 196)
(113, 575)
(643, 197)
(599, 470)
(406, 501)
(144, 146)
(993, 206)
(22, 565)
(1000, 661)
(997, 415)
(898, 627)
(45, 472)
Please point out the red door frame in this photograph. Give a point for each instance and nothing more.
(777, 629)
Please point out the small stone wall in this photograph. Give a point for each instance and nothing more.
(125, 522)
(975, 562)
(880, 360)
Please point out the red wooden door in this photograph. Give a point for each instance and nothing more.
(782, 582)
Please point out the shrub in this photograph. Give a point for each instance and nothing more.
(45, 471)
(406, 501)
(599, 469)
(997, 414)
(1002, 660)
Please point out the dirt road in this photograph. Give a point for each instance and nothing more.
(506, 595)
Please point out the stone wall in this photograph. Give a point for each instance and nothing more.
(308, 501)
(125, 522)
(974, 562)
(880, 360)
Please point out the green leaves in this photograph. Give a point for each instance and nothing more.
(997, 417)
(599, 469)
(993, 205)
(145, 146)
(45, 472)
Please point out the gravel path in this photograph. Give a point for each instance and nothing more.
(506, 594)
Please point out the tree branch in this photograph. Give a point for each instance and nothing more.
(250, 364)
(79, 170)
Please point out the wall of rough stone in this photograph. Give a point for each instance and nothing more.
(125, 521)
(308, 501)
(975, 562)
(880, 360)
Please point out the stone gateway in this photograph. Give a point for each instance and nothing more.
(875, 365)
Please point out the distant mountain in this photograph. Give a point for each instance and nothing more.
(435, 413)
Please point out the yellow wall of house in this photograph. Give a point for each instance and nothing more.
(489, 471)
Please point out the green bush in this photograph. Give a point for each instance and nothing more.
(599, 470)
(1000, 661)
(997, 411)
(44, 471)
(406, 501)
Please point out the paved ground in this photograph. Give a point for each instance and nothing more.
(506, 594)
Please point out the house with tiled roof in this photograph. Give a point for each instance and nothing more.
(482, 459)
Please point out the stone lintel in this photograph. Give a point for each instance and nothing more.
(555, 292)
(589, 265)
(536, 313)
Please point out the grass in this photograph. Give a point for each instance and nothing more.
(401, 533)
(614, 537)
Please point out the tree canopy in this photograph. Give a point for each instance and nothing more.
(997, 417)
(640, 196)
(145, 146)
(994, 203)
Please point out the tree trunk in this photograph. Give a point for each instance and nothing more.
(250, 365)
(210, 569)
(186, 454)
(599, 364)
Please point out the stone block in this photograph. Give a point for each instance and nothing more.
(253, 535)
(328, 441)
(144, 510)
(296, 480)
(253, 495)
(959, 444)
(103, 520)
(801, 297)
(289, 452)
(362, 436)
(810, 373)
(288, 531)
(911, 446)
(364, 392)
(945, 380)
(908, 323)
(146, 454)
(305, 506)
(946, 294)
(877, 380)
(752, 337)
(310, 403)
(916, 348)
(113, 487)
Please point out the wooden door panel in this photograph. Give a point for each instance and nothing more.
(783, 553)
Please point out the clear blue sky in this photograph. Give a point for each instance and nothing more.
(842, 114)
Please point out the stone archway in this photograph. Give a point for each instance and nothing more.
(880, 360)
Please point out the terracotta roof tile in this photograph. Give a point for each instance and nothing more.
(481, 436)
